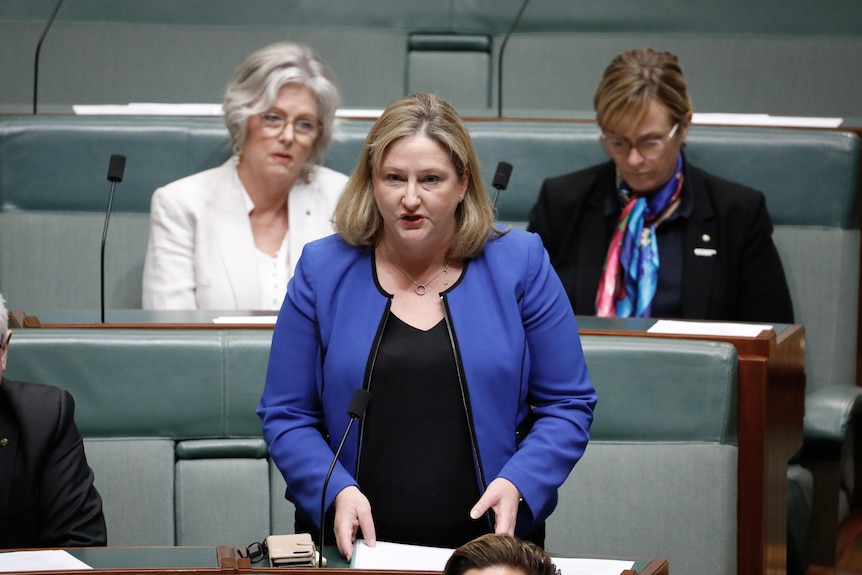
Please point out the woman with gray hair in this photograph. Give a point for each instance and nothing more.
(229, 237)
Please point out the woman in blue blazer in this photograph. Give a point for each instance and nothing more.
(481, 402)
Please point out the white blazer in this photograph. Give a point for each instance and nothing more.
(201, 252)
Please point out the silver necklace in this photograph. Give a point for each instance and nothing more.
(421, 288)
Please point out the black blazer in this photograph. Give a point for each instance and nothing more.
(743, 279)
(47, 496)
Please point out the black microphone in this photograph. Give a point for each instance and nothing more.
(356, 409)
(39, 49)
(115, 174)
(501, 179)
(500, 59)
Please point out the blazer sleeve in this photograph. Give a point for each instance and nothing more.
(763, 294)
(291, 409)
(71, 508)
(544, 213)
(560, 390)
(169, 278)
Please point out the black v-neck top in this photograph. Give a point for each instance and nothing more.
(417, 467)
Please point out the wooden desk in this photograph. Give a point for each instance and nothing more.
(771, 406)
(139, 319)
(339, 566)
(642, 567)
(226, 560)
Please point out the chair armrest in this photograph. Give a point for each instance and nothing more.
(829, 412)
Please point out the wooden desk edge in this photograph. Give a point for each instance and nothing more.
(654, 567)
(32, 321)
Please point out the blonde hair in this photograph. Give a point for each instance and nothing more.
(633, 80)
(357, 218)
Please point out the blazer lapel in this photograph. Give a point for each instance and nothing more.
(597, 228)
(235, 243)
(701, 254)
(306, 203)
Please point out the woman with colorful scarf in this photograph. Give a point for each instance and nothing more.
(647, 234)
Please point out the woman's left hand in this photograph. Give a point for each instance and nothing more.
(503, 498)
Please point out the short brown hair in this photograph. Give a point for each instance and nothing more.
(634, 79)
(357, 218)
(497, 550)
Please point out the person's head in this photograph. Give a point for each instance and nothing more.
(644, 111)
(499, 554)
(417, 120)
(5, 334)
(273, 78)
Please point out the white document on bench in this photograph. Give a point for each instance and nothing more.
(50, 560)
(247, 319)
(669, 326)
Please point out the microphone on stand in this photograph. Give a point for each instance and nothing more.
(115, 174)
(356, 409)
(500, 59)
(39, 49)
(501, 180)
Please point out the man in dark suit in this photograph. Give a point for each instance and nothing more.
(47, 496)
(647, 234)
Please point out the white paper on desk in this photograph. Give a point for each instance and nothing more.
(401, 557)
(668, 326)
(190, 109)
(148, 109)
(582, 566)
(247, 319)
(50, 560)
(721, 119)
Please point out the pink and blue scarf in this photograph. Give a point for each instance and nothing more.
(630, 275)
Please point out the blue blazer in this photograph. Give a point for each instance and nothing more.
(518, 350)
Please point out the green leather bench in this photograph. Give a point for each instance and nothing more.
(660, 472)
(169, 422)
(170, 429)
(53, 194)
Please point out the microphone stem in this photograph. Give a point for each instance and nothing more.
(104, 237)
(39, 49)
(500, 59)
(326, 484)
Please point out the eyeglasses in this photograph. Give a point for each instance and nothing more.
(272, 124)
(650, 149)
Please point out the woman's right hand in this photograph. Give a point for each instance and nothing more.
(352, 513)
